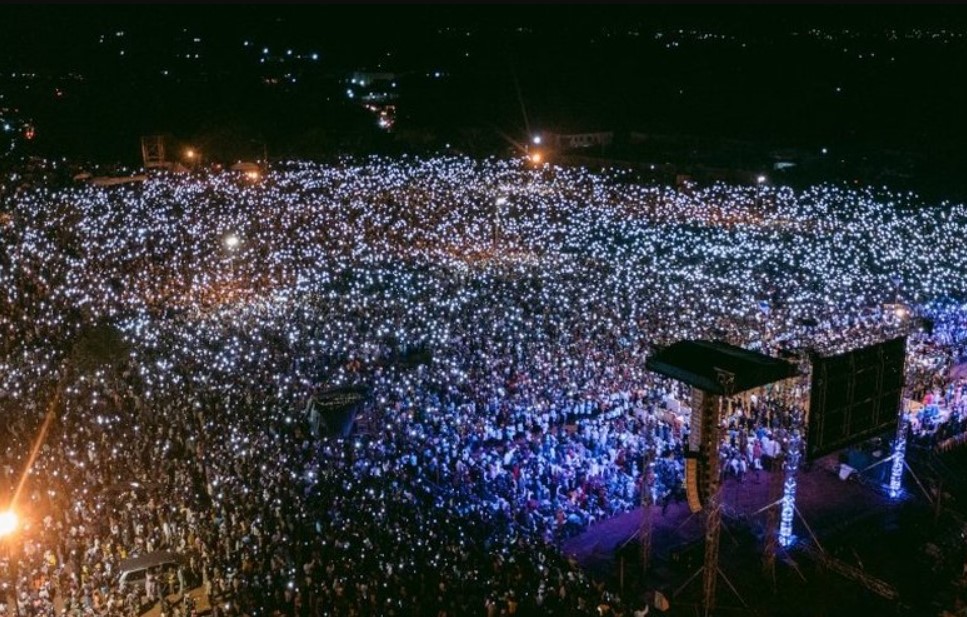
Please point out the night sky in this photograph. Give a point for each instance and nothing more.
(873, 83)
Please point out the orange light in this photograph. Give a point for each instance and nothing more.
(190, 153)
(536, 158)
(8, 523)
(252, 175)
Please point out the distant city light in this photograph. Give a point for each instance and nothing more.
(760, 179)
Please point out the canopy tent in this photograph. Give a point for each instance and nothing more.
(333, 412)
(709, 365)
(151, 560)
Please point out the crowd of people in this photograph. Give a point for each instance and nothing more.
(537, 294)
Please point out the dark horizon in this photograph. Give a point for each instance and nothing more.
(876, 86)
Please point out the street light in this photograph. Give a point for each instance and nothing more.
(497, 205)
(9, 522)
(231, 243)
(193, 156)
(758, 190)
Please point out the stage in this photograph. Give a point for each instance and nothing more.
(828, 504)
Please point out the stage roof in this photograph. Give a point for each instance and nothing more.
(698, 363)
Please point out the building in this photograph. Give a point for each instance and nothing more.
(565, 142)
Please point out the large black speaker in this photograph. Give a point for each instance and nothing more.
(855, 396)
(693, 488)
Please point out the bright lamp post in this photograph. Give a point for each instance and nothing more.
(759, 181)
(193, 157)
(232, 241)
(9, 522)
(501, 201)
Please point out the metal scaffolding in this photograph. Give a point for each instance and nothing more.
(647, 500)
(713, 504)
(712, 418)
(771, 545)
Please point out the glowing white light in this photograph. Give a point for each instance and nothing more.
(8, 523)
(899, 454)
(232, 241)
(536, 140)
(788, 504)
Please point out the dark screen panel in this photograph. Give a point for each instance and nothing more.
(855, 396)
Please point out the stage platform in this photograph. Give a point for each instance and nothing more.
(828, 504)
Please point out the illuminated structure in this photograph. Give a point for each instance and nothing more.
(716, 371)
(793, 455)
(771, 541)
(899, 458)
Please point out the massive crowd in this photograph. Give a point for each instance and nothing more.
(537, 295)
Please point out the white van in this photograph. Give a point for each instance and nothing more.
(134, 570)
